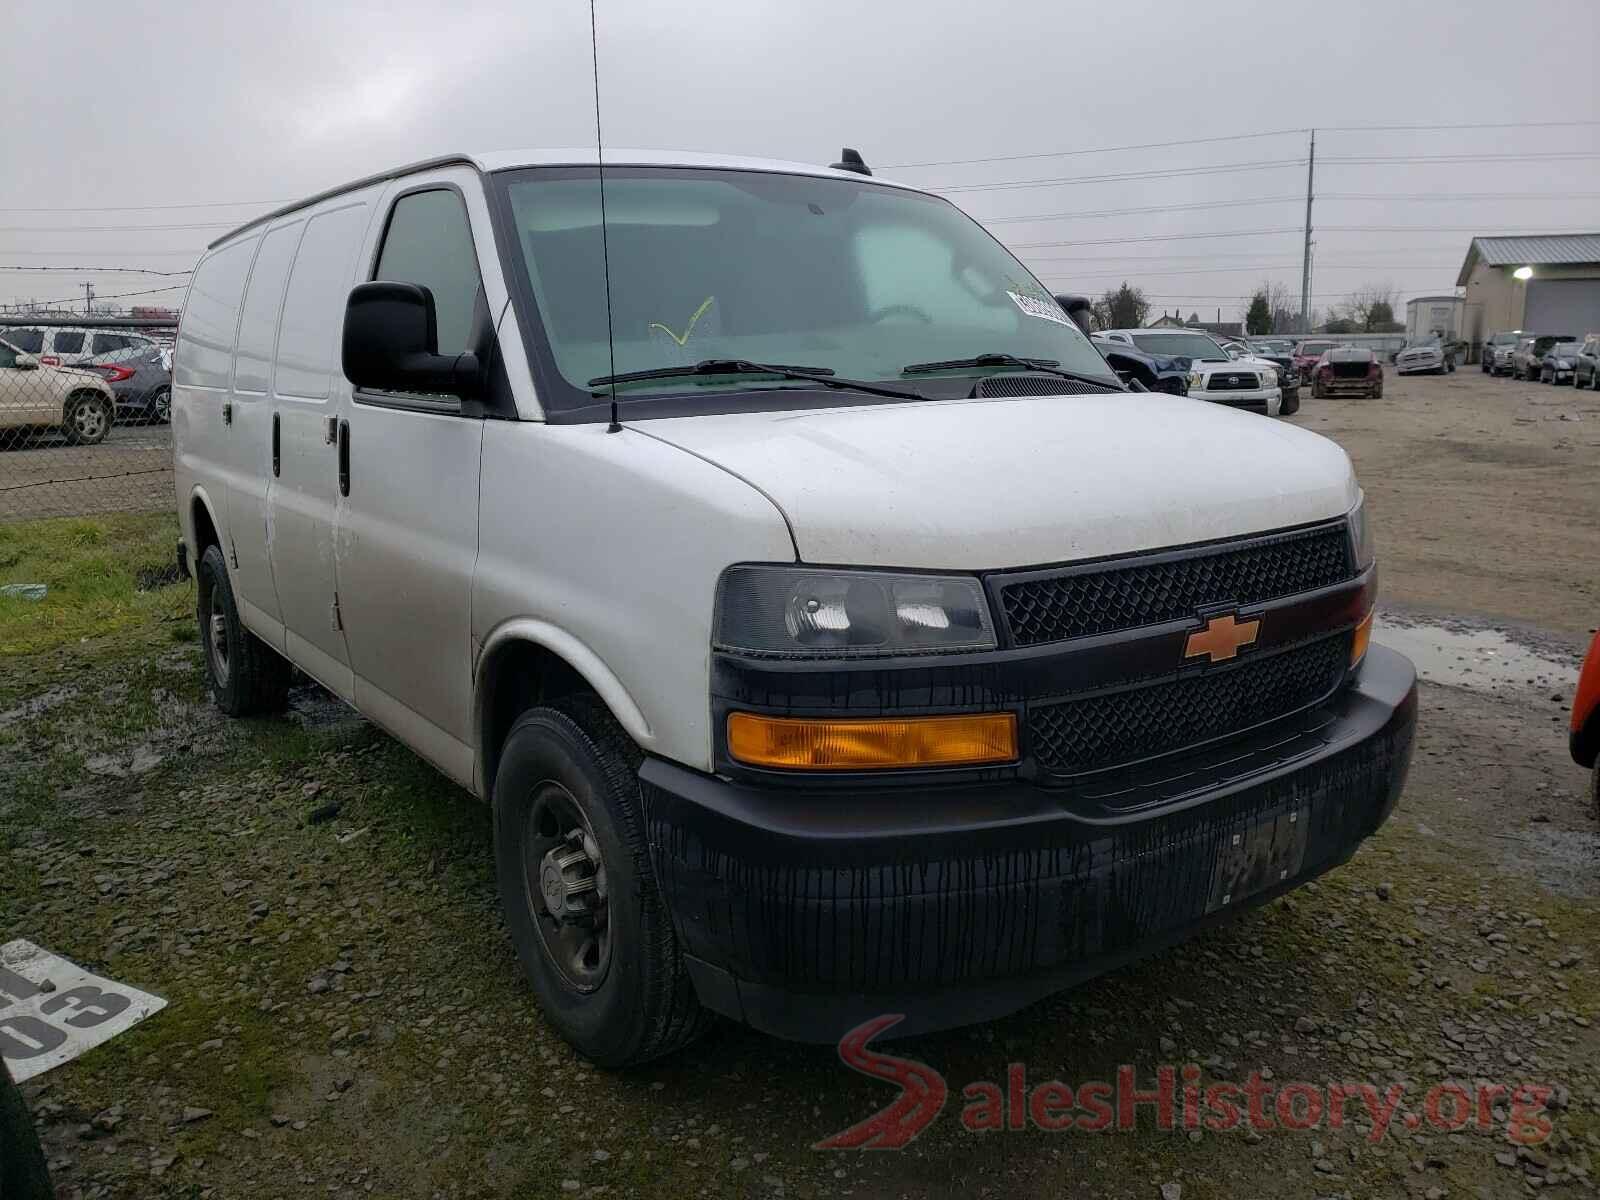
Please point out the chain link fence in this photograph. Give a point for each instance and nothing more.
(85, 415)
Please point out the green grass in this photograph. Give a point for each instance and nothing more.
(91, 566)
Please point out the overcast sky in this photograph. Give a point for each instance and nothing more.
(194, 101)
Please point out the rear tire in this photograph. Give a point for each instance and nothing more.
(161, 406)
(246, 676)
(610, 978)
(87, 418)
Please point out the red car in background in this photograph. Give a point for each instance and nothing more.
(1348, 371)
(1308, 354)
(1586, 719)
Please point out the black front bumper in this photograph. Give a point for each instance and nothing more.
(803, 913)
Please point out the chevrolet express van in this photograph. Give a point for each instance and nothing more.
(829, 631)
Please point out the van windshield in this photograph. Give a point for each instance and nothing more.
(823, 274)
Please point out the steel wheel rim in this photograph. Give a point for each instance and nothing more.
(216, 631)
(88, 420)
(576, 942)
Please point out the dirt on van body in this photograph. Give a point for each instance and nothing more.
(346, 1016)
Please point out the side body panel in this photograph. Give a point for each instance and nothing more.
(607, 548)
(309, 394)
(247, 461)
(408, 530)
(202, 375)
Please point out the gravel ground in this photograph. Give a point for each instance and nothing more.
(346, 1016)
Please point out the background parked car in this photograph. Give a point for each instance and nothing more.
(1559, 362)
(142, 380)
(79, 403)
(69, 346)
(1308, 353)
(1281, 357)
(1585, 730)
(1348, 371)
(1214, 374)
(1155, 372)
(1497, 352)
(1426, 355)
(1587, 372)
(1527, 360)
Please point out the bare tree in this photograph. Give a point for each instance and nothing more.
(1370, 308)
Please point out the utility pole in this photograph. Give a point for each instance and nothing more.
(88, 298)
(1305, 262)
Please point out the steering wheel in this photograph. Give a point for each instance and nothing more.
(909, 310)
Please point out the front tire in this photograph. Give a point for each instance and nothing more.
(87, 419)
(1291, 404)
(578, 891)
(246, 676)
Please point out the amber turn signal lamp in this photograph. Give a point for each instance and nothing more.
(1363, 638)
(871, 743)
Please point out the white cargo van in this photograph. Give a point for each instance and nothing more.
(829, 630)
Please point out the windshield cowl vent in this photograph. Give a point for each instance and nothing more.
(1036, 385)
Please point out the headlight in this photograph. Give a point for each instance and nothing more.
(1564, 364)
(803, 612)
(1361, 535)
(1196, 379)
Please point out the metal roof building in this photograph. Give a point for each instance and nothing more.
(1544, 283)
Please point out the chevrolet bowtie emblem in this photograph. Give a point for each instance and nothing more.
(1221, 638)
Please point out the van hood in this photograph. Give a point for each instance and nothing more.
(999, 483)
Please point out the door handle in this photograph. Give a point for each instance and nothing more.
(227, 413)
(277, 445)
(344, 458)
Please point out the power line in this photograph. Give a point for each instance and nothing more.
(1206, 141)
(172, 287)
(1165, 237)
(1266, 164)
(113, 228)
(1055, 268)
(1234, 137)
(1424, 128)
(101, 250)
(97, 270)
(1462, 158)
(1120, 212)
(55, 208)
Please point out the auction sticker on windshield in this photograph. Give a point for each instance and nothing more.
(52, 1010)
(1045, 310)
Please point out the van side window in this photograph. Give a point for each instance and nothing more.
(210, 314)
(258, 324)
(429, 242)
(313, 307)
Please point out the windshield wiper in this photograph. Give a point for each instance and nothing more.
(741, 366)
(1049, 366)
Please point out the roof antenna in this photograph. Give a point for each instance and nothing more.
(605, 248)
(851, 160)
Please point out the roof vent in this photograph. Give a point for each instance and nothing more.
(851, 160)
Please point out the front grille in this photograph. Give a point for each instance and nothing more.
(1233, 381)
(1100, 731)
(1107, 597)
(1038, 385)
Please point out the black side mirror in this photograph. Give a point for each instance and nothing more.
(391, 343)
(1078, 308)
